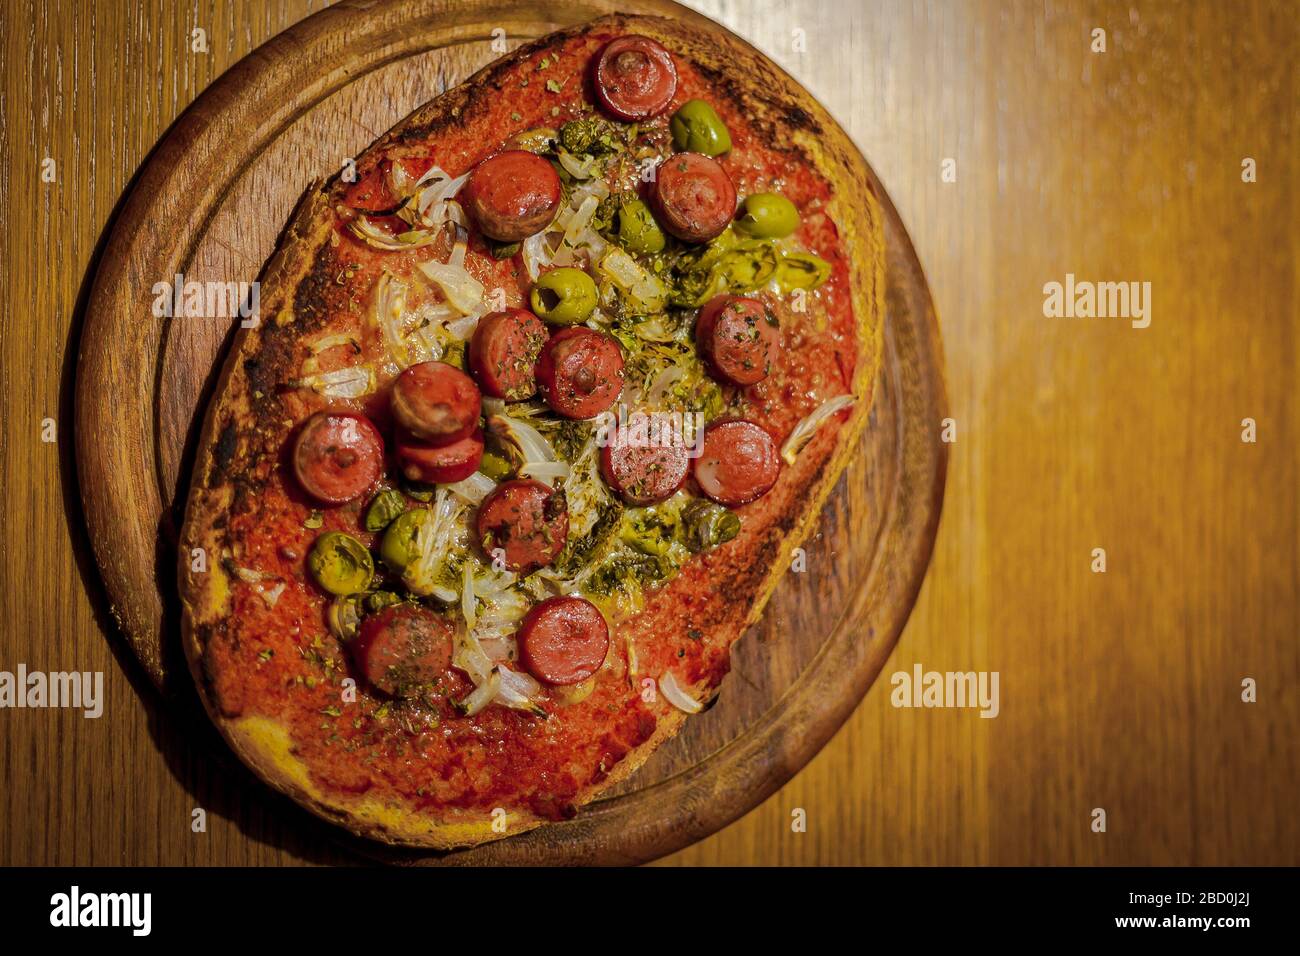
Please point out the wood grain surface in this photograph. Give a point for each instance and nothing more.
(1120, 690)
(313, 95)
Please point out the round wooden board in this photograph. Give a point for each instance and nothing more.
(294, 111)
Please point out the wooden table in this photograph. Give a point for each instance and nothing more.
(1119, 690)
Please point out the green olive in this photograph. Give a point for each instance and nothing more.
(637, 230)
(386, 506)
(697, 128)
(768, 216)
(398, 547)
(495, 465)
(801, 270)
(340, 563)
(564, 296)
(345, 616)
(708, 525)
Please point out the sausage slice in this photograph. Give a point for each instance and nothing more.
(635, 78)
(439, 464)
(527, 520)
(436, 402)
(504, 351)
(512, 195)
(563, 640)
(402, 647)
(693, 196)
(641, 472)
(580, 372)
(738, 464)
(337, 456)
(738, 338)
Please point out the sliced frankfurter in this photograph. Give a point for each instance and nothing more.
(563, 640)
(527, 521)
(634, 77)
(641, 471)
(503, 353)
(438, 464)
(738, 338)
(512, 195)
(403, 647)
(739, 462)
(436, 402)
(337, 456)
(580, 372)
(693, 197)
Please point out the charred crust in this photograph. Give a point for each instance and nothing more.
(311, 305)
(224, 453)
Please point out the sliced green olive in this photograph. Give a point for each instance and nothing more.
(340, 563)
(698, 129)
(708, 525)
(378, 600)
(768, 216)
(345, 616)
(748, 267)
(801, 270)
(418, 490)
(398, 547)
(504, 250)
(455, 355)
(495, 465)
(386, 506)
(540, 139)
(637, 230)
(564, 296)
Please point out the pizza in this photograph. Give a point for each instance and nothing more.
(540, 402)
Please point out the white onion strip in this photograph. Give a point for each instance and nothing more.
(482, 695)
(472, 489)
(674, 694)
(808, 425)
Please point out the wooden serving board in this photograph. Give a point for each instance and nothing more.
(209, 203)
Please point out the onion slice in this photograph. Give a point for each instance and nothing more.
(472, 489)
(537, 255)
(665, 380)
(674, 694)
(575, 167)
(633, 278)
(369, 233)
(530, 444)
(519, 691)
(808, 425)
(547, 471)
(462, 290)
(482, 695)
(341, 383)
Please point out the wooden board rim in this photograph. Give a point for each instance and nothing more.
(139, 600)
